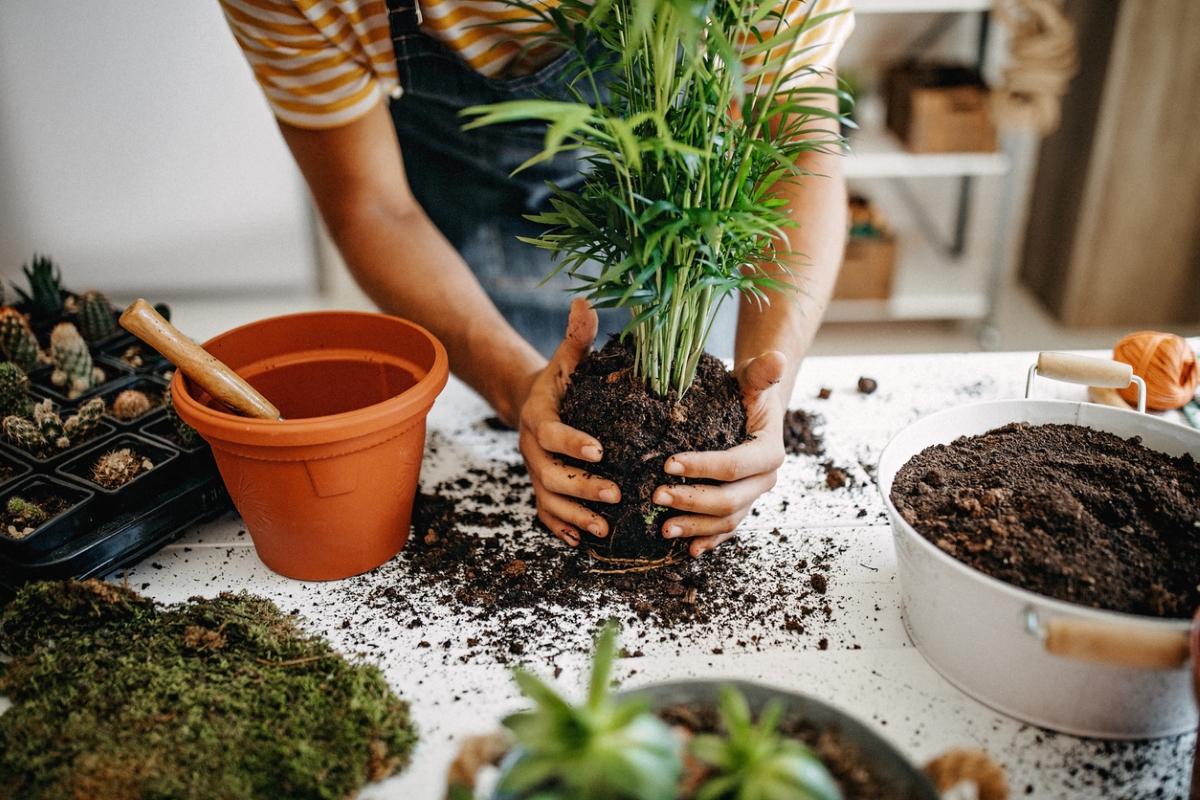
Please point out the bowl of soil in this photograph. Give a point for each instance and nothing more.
(326, 491)
(1048, 553)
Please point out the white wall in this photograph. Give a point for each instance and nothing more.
(137, 151)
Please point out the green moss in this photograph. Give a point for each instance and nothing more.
(115, 696)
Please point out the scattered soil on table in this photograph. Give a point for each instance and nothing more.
(847, 762)
(116, 698)
(638, 430)
(1065, 511)
(524, 592)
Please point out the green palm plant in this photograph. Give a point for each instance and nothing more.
(697, 132)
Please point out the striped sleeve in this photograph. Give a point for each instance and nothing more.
(827, 25)
(320, 63)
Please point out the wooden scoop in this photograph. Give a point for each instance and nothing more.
(214, 377)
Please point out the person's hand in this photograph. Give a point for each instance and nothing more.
(745, 471)
(543, 434)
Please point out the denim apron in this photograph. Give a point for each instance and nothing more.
(463, 180)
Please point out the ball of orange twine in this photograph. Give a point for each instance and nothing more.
(1165, 362)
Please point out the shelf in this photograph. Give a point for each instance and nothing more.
(928, 284)
(920, 6)
(878, 154)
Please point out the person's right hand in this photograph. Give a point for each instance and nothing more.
(543, 434)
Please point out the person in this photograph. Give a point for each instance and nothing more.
(366, 94)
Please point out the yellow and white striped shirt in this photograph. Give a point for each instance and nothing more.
(325, 63)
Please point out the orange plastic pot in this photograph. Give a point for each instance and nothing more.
(327, 492)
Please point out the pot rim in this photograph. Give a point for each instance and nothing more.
(324, 429)
(1038, 602)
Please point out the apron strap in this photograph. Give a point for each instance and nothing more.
(404, 17)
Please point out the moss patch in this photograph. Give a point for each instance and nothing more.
(115, 696)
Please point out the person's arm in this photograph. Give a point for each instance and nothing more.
(772, 340)
(356, 175)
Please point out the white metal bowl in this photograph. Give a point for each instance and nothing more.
(976, 630)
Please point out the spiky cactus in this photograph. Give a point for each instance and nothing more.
(46, 295)
(130, 404)
(25, 511)
(14, 391)
(73, 369)
(86, 417)
(18, 341)
(97, 316)
(188, 436)
(118, 467)
(46, 432)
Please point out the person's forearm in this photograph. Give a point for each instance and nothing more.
(402, 261)
(789, 324)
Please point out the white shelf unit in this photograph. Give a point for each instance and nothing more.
(930, 282)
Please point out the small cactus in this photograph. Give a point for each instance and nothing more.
(46, 295)
(24, 517)
(129, 405)
(18, 341)
(46, 432)
(118, 467)
(73, 368)
(97, 317)
(188, 436)
(14, 391)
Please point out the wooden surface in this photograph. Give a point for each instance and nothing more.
(859, 658)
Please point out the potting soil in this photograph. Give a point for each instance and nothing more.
(1065, 511)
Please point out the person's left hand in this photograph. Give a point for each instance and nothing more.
(745, 471)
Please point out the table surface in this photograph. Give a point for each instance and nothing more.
(857, 657)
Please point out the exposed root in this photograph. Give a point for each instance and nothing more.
(624, 566)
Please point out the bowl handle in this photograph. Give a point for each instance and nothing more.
(1101, 372)
(1138, 646)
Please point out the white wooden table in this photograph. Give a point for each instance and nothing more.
(869, 668)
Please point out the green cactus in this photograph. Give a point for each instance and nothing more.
(73, 369)
(46, 432)
(18, 341)
(97, 317)
(24, 434)
(87, 416)
(46, 295)
(188, 436)
(14, 391)
(26, 512)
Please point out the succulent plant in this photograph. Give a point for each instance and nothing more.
(130, 404)
(753, 761)
(14, 391)
(25, 512)
(605, 748)
(73, 368)
(97, 316)
(46, 295)
(118, 467)
(188, 436)
(47, 432)
(18, 341)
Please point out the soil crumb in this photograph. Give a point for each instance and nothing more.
(1065, 511)
(799, 434)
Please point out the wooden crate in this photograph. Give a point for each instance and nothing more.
(938, 108)
(866, 272)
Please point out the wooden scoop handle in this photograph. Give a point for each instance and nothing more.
(1085, 369)
(1121, 645)
(218, 380)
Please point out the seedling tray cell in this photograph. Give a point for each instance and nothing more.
(141, 490)
(73, 520)
(153, 387)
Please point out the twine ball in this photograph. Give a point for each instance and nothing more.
(1165, 362)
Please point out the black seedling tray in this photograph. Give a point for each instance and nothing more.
(109, 529)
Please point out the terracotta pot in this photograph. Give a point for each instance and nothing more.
(328, 491)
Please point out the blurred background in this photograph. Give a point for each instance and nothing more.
(1024, 173)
